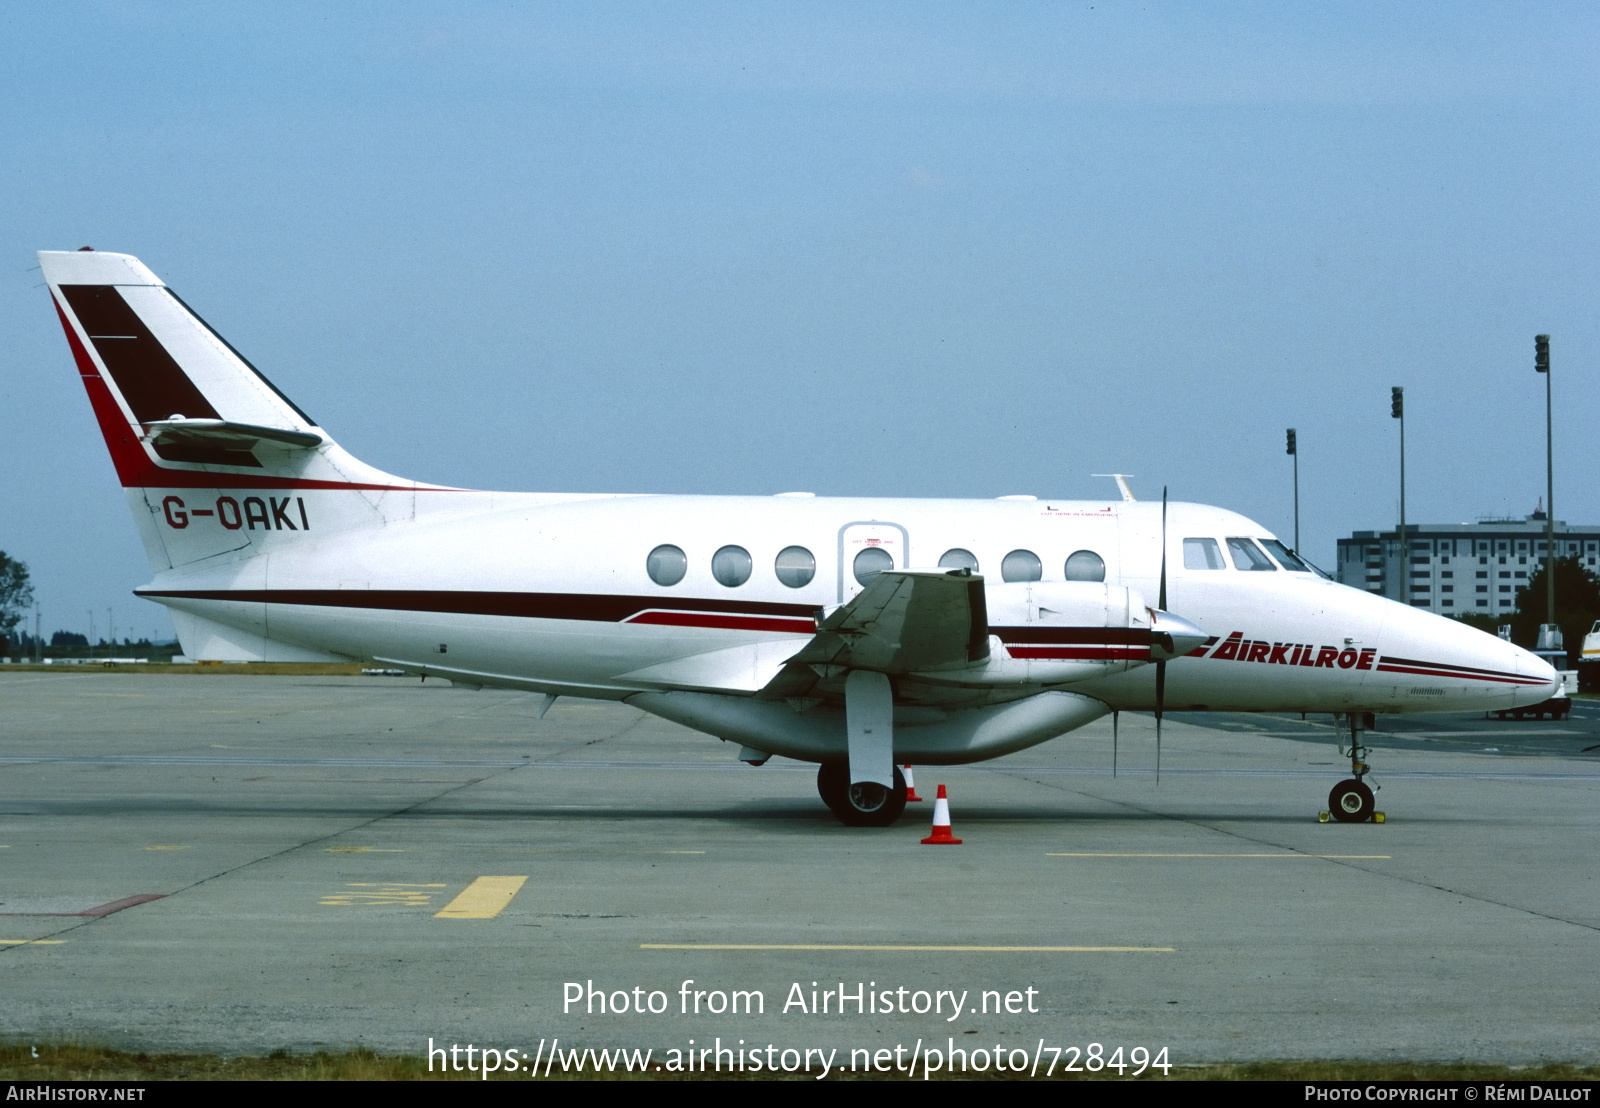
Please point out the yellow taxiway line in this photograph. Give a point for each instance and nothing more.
(1286, 854)
(485, 898)
(975, 949)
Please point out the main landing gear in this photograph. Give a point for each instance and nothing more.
(1352, 801)
(864, 804)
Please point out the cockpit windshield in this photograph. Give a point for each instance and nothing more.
(1247, 555)
(1286, 557)
(1202, 554)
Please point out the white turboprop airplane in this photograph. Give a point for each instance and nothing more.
(858, 634)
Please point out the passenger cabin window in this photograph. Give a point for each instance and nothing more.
(795, 566)
(958, 559)
(1247, 556)
(1202, 554)
(1021, 565)
(871, 562)
(731, 566)
(1286, 557)
(1085, 565)
(666, 565)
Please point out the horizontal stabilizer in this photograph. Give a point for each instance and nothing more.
(223, 433)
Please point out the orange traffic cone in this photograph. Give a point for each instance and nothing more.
(911, 788)
(941, 822)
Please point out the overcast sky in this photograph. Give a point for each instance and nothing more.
(895, 249)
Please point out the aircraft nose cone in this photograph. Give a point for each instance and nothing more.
(1535, 668)
(1172, 636)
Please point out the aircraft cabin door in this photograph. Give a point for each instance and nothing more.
(866, 549)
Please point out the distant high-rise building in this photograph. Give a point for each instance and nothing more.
(1461, 567)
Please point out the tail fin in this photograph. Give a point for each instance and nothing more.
(192, 426)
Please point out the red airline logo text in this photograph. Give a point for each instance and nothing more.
(1237, 648)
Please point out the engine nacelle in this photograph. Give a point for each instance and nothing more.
(1044, 634)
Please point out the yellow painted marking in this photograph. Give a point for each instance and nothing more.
(842, 946)
(164, 848)
(485, 898)
(674, 852)
(364, 850)
(31, 942)
(1287, 855)
(375, 893)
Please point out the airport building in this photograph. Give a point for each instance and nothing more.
(1461, 567)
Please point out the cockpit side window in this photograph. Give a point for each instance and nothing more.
(1286, 557)
(1248, 556)
(1202, 554)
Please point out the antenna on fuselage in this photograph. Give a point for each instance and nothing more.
(1121, 484)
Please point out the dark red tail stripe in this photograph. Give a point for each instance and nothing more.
(525, 605)
(135, 469)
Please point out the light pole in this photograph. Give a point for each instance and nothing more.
(1296, 456)
(1550, 633)
(1397, 410)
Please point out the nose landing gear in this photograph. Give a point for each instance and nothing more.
(1352, 801)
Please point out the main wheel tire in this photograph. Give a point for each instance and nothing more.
(867, 804)
(1351, 802)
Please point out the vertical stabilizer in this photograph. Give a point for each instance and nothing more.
(215, 460)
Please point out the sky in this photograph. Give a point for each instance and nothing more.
(922, 249)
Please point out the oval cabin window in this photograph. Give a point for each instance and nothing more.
(731, 566)
(666, 565)
(1021, 565)
(871, 562)
(1086, 565)
(795, 566)
(958, 559)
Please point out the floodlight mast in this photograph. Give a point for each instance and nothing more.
(1397, 410)
(1541, 364)
(1295, 453)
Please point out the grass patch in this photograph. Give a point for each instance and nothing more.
(72, 1062)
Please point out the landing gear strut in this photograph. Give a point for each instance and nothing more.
(1352, 801)
(864, 804)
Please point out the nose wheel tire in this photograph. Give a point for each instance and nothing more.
(866, 804)
(1351, 802)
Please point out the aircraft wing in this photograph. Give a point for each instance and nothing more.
(904, 621)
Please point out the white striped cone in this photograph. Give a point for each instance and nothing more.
(911, 787)
(941, 822)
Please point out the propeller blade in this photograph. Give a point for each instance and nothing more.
(1162, 603)
(1161, 666)
(1161, 696)
(1114, 743)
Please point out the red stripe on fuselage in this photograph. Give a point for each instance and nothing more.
(537, 605)
(1080, 653)
(725, 622)
(1424, 670)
